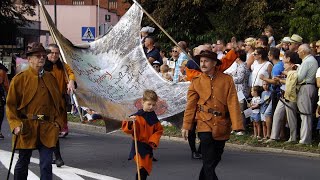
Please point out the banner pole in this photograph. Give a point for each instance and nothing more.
(61, 57)
(136, 149)
(163, 30)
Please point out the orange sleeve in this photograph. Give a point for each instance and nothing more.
(70, 72)
(126, 127)
(155, 137)
(228, 60)
(191, 73)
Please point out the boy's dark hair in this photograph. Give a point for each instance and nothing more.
(264, 40)
(257, 89)
(275, 52)
(150, 95)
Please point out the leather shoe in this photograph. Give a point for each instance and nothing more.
(59, 162)
(196, 155)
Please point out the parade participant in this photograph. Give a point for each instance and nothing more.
(4, 86)
(56, 67)
(34, 108)
(148, 133)
(213, 103)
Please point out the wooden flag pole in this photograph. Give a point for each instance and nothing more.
(136, 149)
(163, 30)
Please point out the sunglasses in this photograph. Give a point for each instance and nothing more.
(317, 46)
(255, 54)
(174, 51)
(39, 56)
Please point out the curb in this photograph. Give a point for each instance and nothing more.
(101, 129)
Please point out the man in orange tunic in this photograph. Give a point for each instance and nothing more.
(148, 132)
(66, 86)
(212, 102)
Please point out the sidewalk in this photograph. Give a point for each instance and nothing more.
(100, 129)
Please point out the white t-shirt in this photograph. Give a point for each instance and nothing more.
(318, 76)
(273, 42)
(255, 101)
(257, 70)
(231, 69)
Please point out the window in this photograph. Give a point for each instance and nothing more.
(77, 2)
(107, 18)
(113, 4)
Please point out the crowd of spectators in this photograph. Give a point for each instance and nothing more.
(276, 82)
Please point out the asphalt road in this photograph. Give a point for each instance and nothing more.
(101, 156)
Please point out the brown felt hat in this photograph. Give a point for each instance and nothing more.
(208, 54)
(36, 47)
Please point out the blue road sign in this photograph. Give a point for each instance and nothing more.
(88, 33)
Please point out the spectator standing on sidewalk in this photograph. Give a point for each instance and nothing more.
(212, 102)
(182, 57)
(307, 93)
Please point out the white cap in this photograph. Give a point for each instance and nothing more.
(147, 29)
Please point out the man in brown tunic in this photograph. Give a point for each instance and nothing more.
(34, 107)
(213, 103)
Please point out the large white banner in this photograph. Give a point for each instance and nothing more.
(113, 72)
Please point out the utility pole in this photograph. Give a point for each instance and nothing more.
(55, 12)
(97, 31)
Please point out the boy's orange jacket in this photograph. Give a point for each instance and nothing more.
(146, 134)
(226, 61)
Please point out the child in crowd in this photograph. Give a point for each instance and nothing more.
(182, 73)
(164, 71)
(156, 66)
(268, 31)
(264, 103)
(148, 133)
(91, 114)
(255, 116)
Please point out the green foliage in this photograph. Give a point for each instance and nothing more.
(200, 21)
(305, 20)
(12, 16)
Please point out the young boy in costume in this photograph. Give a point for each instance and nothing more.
(148, 132)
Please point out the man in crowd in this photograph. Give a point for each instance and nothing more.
(182, 57)
(295, 41)
(34, 107)
(152, 53)
(307, 94)
(213, 103)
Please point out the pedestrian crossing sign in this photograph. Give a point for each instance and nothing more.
(88, 33)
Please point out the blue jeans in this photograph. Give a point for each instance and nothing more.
(211, 151)
(21, 168)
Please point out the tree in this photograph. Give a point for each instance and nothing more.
(200, 21)
(12, 16)
(305, 20)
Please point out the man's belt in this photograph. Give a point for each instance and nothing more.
(40, 117)
(307, 84)
(210, 110)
